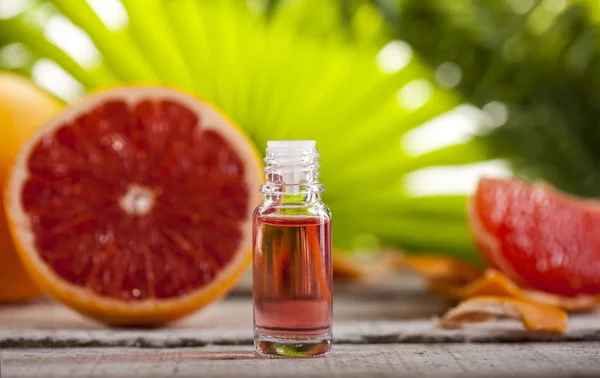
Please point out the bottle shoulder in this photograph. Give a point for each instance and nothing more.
(273, 209)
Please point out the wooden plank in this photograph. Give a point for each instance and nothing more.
(390, 311)
(399, 298)
(356, 321)
(464, 360)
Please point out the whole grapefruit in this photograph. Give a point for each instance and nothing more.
(23, 109)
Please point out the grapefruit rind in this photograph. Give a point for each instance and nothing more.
(350, 267)
(115, 311)
(494, 283)
(534, 316)
(441, 268)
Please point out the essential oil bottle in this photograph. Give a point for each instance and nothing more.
(292, 273)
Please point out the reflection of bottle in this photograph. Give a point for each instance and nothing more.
(292, 255)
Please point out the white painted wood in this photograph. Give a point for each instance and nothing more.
(463, 360)
(362, 315)
(383, 330)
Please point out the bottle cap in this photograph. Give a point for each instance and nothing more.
(295, 161)
(291, 143)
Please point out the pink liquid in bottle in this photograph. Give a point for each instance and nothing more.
(292, 276)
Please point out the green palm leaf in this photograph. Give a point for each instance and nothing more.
(286, 70)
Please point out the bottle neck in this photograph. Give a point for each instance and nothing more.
(292, 172)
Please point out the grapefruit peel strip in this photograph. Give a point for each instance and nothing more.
(350, 267)
(494, 283)
(454, 279)
(534, 316)
(580, 303)
(441, 268)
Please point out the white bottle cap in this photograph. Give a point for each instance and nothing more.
(293, 159)
(291, 143)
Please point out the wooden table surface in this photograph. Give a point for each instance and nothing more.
(382, 329)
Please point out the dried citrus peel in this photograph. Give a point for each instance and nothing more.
(453, 279)
(579, 303)
(534, 316)
(350, 267)
(441, 268)
(494, 283)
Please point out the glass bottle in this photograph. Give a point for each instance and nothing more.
(292, 273)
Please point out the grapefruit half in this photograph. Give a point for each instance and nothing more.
(539, 237)
(134, 205)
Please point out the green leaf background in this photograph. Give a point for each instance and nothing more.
(308, 69)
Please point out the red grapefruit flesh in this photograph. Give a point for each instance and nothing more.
(134, 205)
(539, 237)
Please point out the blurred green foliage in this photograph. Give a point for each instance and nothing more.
(308, 69)
(538, 58)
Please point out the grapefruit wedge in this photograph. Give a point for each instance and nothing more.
(540, 238)
(134, 205)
